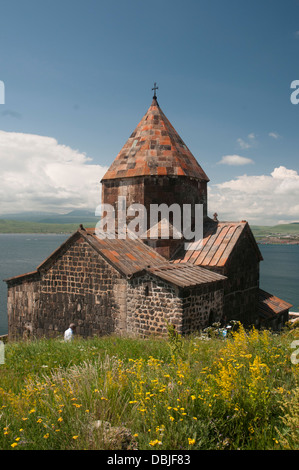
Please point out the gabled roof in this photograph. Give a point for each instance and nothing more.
(269, 305)
(155, 148)
(162, 230)
(219, 240)
(130, 257)
(126, 255)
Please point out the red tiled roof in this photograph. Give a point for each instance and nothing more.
(163, 229)
(155, 148)
(126, 255)
(219, 240)
(130, 257)
(186, 275)
(270, 305)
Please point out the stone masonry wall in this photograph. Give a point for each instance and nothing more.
(174, 190)
(22, 307)
(150, 301)
(79, 287)
(203, 305)
(241, 293)
(241, 287)
(155, 190)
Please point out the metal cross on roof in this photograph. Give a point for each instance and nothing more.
(155, 88)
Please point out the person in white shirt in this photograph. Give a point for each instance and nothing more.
(69, 333)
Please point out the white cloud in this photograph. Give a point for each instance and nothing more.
(38, 174)
(235, 160)
(261, 199)
(274, 135)
(243, 145)
(250, 142)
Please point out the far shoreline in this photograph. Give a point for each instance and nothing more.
(273, 241)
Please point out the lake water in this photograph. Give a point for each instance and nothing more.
(21, 253)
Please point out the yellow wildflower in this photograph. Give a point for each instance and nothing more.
(155, 442)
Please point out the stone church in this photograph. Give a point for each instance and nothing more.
(135, 285)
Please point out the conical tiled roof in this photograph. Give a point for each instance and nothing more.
(155, 148)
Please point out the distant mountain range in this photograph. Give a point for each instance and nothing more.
(74, 217)
(41, 222)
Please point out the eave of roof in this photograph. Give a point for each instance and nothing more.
(270, 306)
(186, 275)
(27, 277)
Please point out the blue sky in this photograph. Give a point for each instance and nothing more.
(81, 72)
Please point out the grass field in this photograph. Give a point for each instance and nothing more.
(283, 229)
(203, 392)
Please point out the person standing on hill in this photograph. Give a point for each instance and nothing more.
(69, 333)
